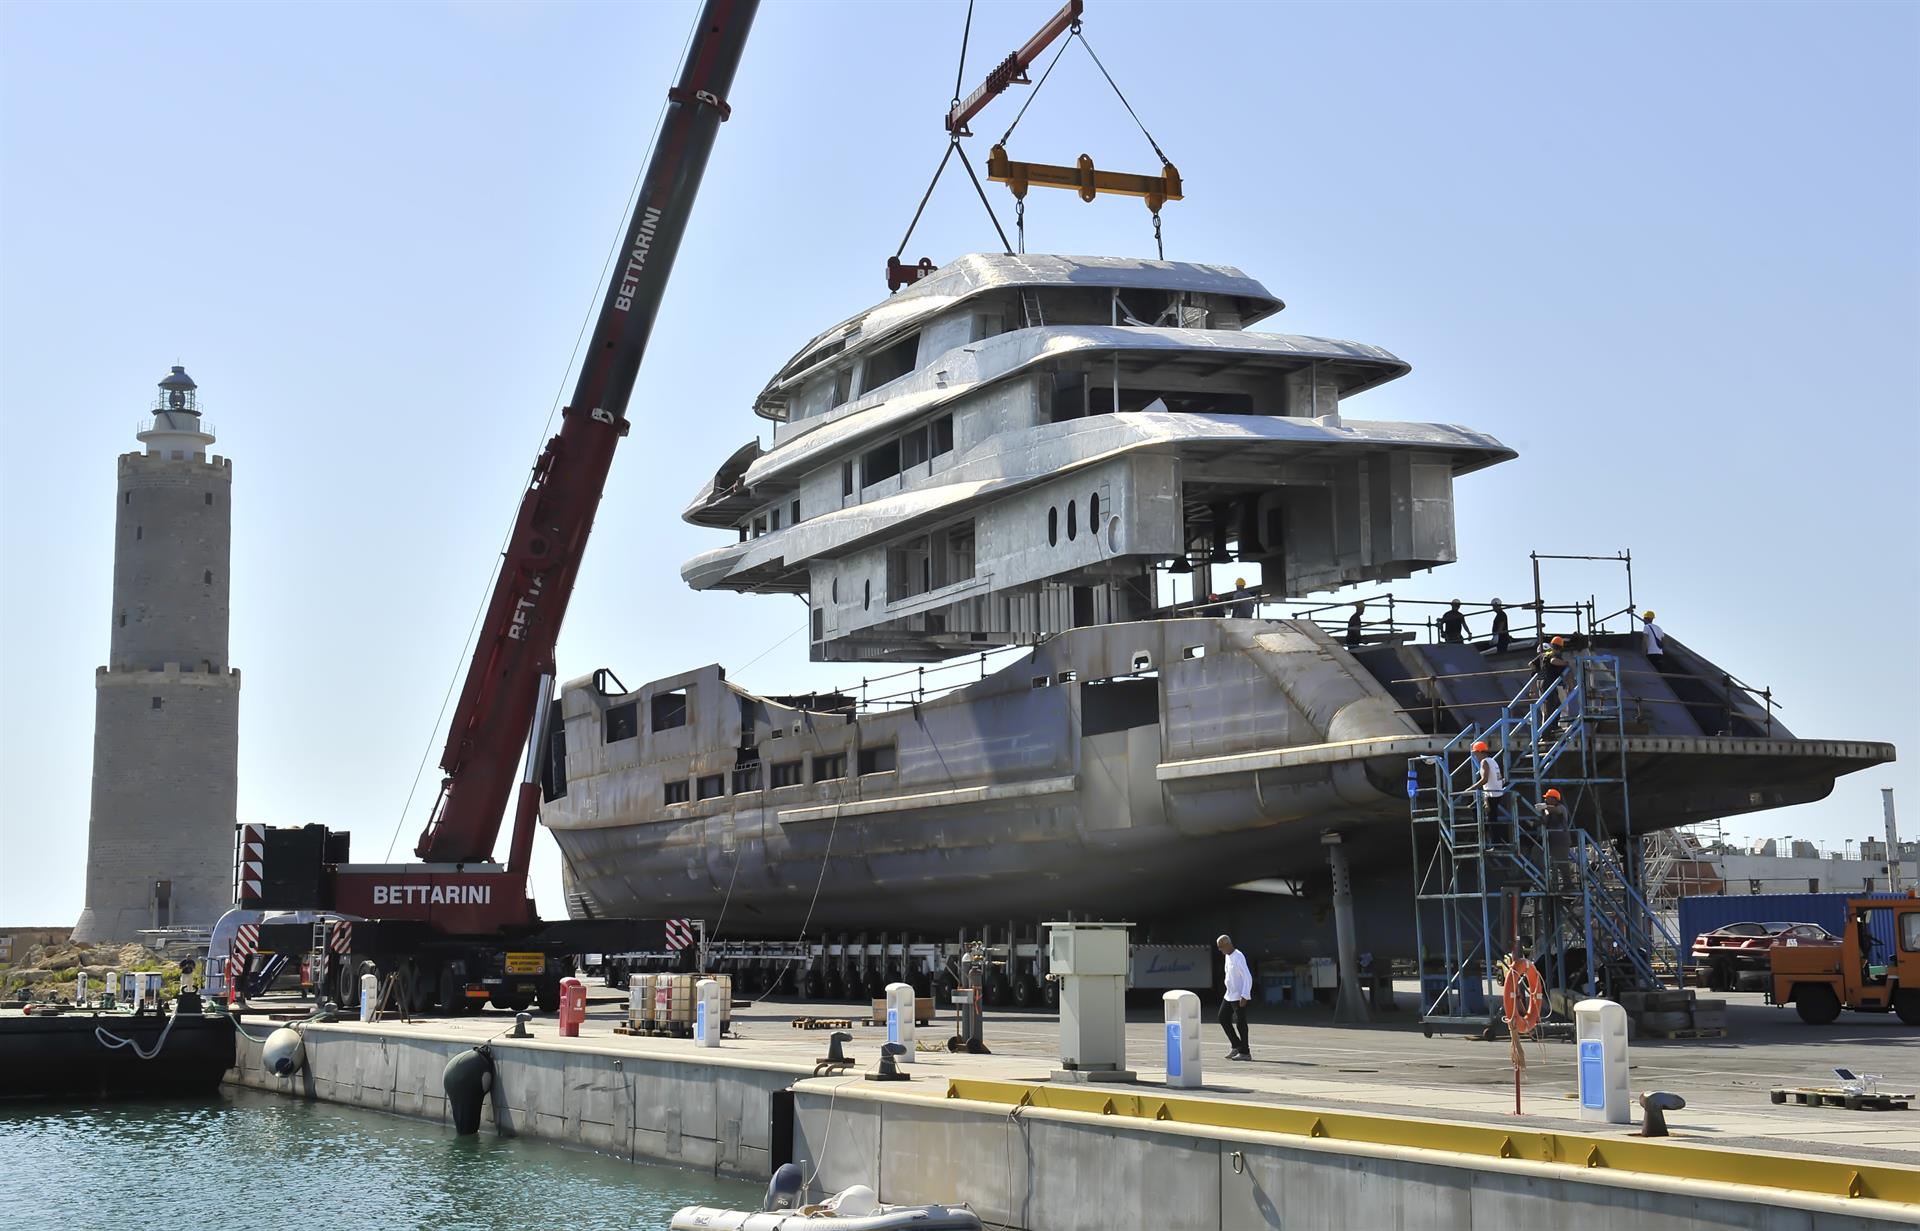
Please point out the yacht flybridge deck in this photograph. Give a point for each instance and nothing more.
(1019, 445)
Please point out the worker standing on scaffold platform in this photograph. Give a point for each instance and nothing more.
(1502, 638)
(1453, 625)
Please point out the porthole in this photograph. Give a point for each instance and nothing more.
(1093, 512)
(1053, 527)
(1073, 521)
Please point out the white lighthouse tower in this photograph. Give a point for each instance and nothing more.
(167, 706)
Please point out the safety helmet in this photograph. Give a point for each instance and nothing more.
(1497, 604)
(1552, 793)
(1240, 583)
(1646, 615)
(1456, 602)
(1558, 642)
(1479, 745)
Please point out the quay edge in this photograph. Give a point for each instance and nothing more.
(1056, 1168)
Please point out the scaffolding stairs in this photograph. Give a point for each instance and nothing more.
(1494, 877)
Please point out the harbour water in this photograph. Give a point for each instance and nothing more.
(271, 1163)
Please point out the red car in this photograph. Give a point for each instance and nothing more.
(1727, 953)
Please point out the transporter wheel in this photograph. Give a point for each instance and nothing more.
(943, 992)
(1907, 1005)
(814, 986)
(999, 989)
(1050, 994)
(1816, 1003)
(1723, 977)
(876, 985)
(453, 990)
(1026, 991)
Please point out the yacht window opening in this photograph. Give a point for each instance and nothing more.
(1177, 401)
(775, 733)
(866, 594)
(743, 533)
(819, 623)
(793, 513)
(1093, 512)
(891, 362)
(674, 792)
(746, 779)
(1194, 651)
(669, 710)
(1066, 677)
(833, 589)
(785, 773)
(880, 462)
(881, 759)
(829, 767)
(943, 435)
(1069, 396)
(1042, 681)
(931, 561)
(842, 385)
(710, 786)
(1142, 661)
(913, 448)
(621, 722)
(988, 324)
(846, 479)
(1073, 521)
(1053, 527)
(773, 520)
(818, 355)
(759, 526)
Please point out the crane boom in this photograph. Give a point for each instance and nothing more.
(514, 654)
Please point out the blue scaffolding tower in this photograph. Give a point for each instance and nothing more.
(1493, 878)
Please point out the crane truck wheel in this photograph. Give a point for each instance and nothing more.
(1815, 1003)
(453, 989)
(548, 995)
(1907, 1004)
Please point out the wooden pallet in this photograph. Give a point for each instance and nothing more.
(1714, 1032)
(822, 1023)
(1834, 1096)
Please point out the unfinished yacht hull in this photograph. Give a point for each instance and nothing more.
(1134, 770)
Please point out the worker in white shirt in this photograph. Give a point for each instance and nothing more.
(1655, 648)
(1234, 1000)
(1488, 784)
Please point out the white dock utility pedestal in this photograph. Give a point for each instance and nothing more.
(1183, 1039)
(1090, 961)
(369, 996)
(1600, 1026)
(900, 1010)
(709, 1013)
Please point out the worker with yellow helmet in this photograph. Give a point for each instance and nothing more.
(1655, 646)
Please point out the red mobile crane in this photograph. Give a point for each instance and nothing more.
(459, 928)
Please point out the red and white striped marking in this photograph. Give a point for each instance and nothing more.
(342, 939)
(246, 941)
(253, 854)
(679, 934)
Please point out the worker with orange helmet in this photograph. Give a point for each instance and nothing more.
(1550, 668)
(1558, 832)
(1489, 784)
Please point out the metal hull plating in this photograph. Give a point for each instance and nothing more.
(1136, 769)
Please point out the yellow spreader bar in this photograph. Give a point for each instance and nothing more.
(1825, 1177)
(1083, 178)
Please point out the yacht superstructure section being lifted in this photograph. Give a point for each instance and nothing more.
(1011, 447)
(1075, 455)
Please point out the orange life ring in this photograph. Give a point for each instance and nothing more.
(1525, 995)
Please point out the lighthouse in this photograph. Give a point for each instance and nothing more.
(166, 728)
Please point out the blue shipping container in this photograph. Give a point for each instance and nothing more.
(1829, 910)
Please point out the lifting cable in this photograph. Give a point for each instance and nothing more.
(953, 145)
(1077, 31)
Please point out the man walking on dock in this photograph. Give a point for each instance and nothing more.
(1233, 1001)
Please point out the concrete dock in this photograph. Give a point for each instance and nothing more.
(1328, 1127)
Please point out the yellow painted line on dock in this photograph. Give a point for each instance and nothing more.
(1666, 1157)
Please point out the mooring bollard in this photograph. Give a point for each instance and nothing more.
(1182, 1010)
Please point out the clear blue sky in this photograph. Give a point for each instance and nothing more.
(1668, 252)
